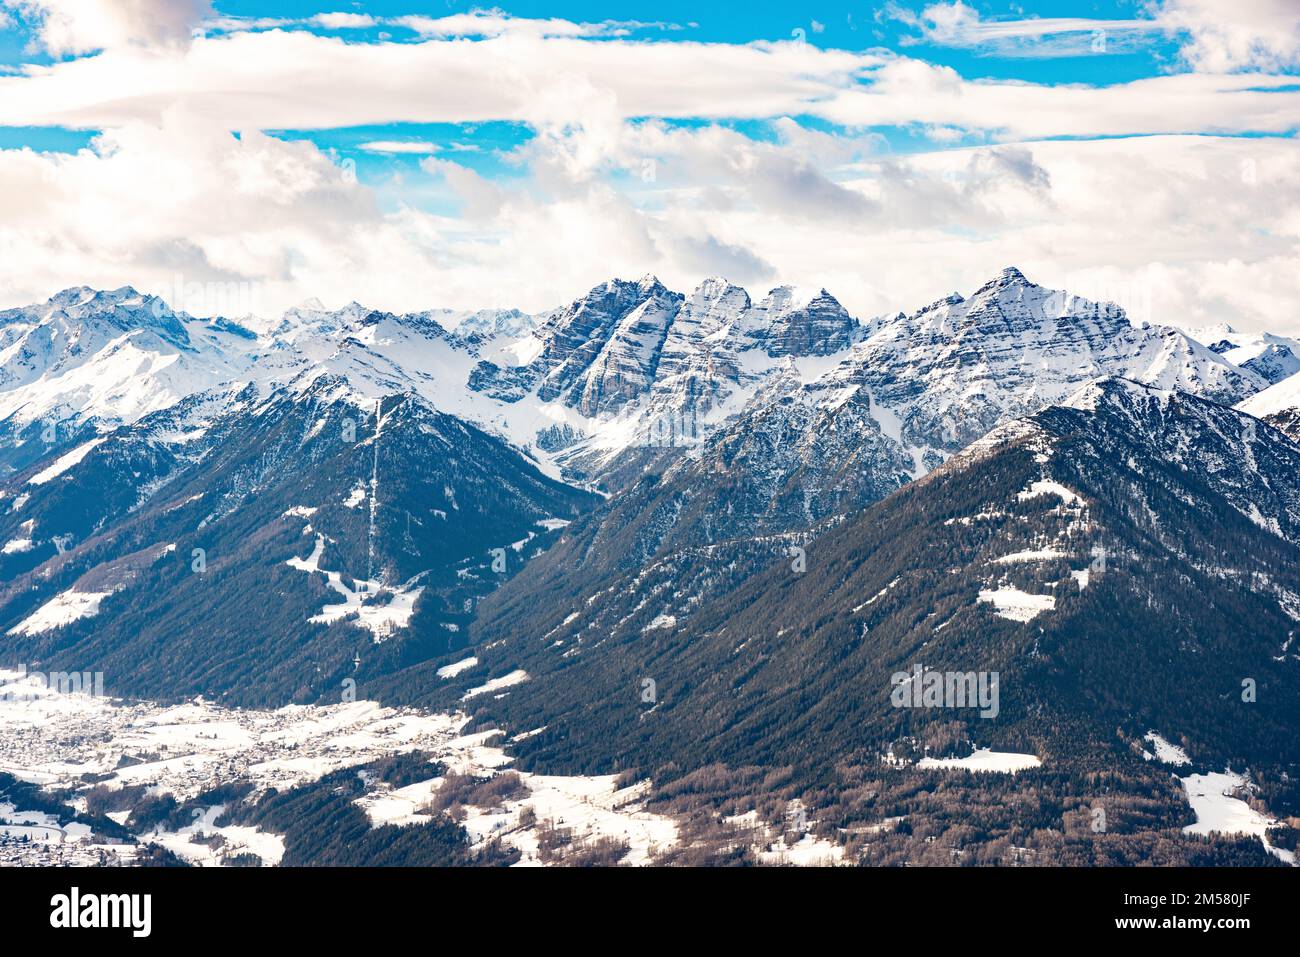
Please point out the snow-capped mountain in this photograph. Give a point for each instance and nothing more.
(743, 418)
(86, 360)
(1123, 560)
(636, 365)
(365, 524)
(1278, 405)
(767, 416)
(953, 370)
(628, 366)
(631, 365)
(1272, 356)
(794, 503)
(819, 437)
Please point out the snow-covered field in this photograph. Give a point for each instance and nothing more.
(63, 608)
(1165, 752)
(985, 759)
(183, 750)
(379, 608)
(1219, 811)
(592, 807)
(518, 676)
(1017, 605)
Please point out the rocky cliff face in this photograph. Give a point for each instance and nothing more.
(951, 371)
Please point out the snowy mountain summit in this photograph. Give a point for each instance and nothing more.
(630, 365)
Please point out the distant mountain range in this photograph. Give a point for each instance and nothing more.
(765, 508)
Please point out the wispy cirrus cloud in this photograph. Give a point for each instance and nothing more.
(475, 24)
(956, 24)
(411, 147)
(497, 23)
(297, 80)
(1214, 35)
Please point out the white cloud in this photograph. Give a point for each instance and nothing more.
(297, 80)
(1237, 34)
(496, 23)
(398, 146)
(81, 26)
(168, 192)
(160, 207)
(1217, 36)
(344, 21)
(906, 91)
(956, 24)
(329, 21)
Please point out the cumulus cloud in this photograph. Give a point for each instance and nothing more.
(156, 206)
(344, 21)
(1228, 35)
(609, 183)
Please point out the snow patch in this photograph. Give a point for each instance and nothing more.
(64, 608)
(985, 759)
(1166, 752)
(1039, 555)
(63, 463)
(452, 670)
(1017, 605)
(1048, 487)
(518, 676)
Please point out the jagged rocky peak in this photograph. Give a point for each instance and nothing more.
(124, 309)
(487, 323)
(1009, 279)
(79, 301)
(313, 316)
(804, 323)
(601, 307)
(1014, 294)
(1114, 391)
(597, 352)
(712, 305)
(695, 363)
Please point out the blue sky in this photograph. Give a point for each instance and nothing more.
(413, 152)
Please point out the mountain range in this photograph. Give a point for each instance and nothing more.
(763, 507)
